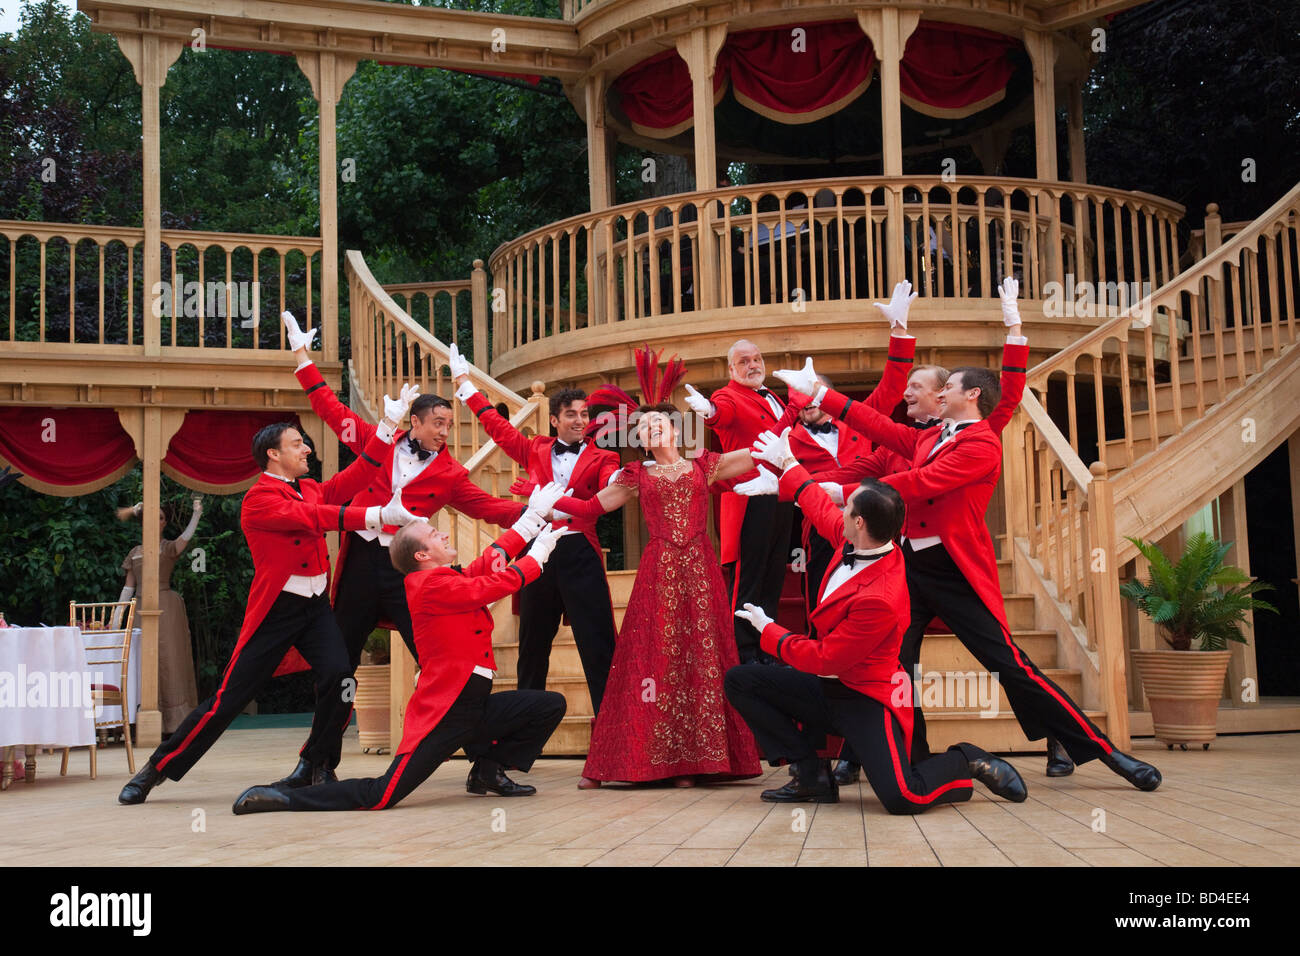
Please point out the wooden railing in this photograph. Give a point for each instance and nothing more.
(389, 347)
(826, 240)
(1224, 319)
(458, 306)
(65, 284)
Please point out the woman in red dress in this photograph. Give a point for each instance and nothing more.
(664, 715)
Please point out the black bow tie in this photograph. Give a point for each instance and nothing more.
(415, 448)
(560, 448)
(764, 392)
(928, 423)
(948, 431)
(294, 485)
(851, 556)
(825, 428)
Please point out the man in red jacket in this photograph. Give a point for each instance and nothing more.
(284, 518)
(367, 590)
(573, 583)
(847, 681)
(453, 705)
(951, 565)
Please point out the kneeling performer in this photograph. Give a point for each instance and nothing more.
(848, 681)
(453, 705)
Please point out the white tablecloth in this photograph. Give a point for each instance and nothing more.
(112, 673)
(45, 687)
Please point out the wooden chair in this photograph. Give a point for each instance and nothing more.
(110, 626)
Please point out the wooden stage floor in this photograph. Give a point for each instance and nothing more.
(1239, 803)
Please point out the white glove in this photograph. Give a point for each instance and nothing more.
(543, 497)
(896, 309)
(458, 364)
(1008, 292)
(698, 403)
(298, 339)
(755, 615)
(528, 525)
(774, 449)
(395, 512)
(395, 409)
(801, 380)
(833, 490)
(765, 484)
(544, 544)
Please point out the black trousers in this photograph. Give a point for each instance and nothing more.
(293, 621)
(789, 711)
(509, 728)
(757, 576)
(573, 582)
(369, 588)
(938, 588)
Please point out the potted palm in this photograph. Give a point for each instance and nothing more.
(372, 694)
(1199, 604)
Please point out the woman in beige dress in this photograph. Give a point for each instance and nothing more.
(177, 692)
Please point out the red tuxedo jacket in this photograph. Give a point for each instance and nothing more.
(590, 472)
(861, 625)
(946, 494)
(444, 481)
(285, 530)
(886, 461)
(453, 627)
(850, 455)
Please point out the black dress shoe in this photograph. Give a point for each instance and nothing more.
(846, 773)
(1000, 777)
(306, 774)
(138, 787)
(1059, 763)
(483, 778)
(261, 800)
(1141, 775)
(813, 783)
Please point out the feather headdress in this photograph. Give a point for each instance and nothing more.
(656, 385)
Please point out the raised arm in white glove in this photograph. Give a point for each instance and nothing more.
(698, 403)
(299, 341)
(1008, 292)
(541, 502)
(755, 615)
(544, 544)
(392, 513)
(458, 364)
(834, 491)
(765, 484)
(395, 410)
(775, 449)
(801, 379)
(896, 309)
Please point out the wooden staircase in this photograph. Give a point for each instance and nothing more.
(941, 653)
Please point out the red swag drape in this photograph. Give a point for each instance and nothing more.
(212, 450)
(947, 71)
(951, 71)
(65, 451)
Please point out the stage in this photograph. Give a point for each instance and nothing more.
(1238, 803)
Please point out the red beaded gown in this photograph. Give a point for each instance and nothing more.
(664, 713)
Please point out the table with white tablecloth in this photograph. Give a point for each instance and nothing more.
(112, 673)
(45, 689)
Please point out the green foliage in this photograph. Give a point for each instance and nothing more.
(1199, 598)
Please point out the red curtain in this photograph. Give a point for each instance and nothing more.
(952, 71)
(798, 79)
(65, 451)
(212, 450)
(947, 70)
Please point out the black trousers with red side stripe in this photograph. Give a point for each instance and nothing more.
(757, 576)
(510, 728)
(293, 621)
(819, 557)
(789, 711)
(938, 588)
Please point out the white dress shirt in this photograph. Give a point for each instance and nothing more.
(406, 468)
(304, 585)
(562, 470)
(844, 572)
(829, 440)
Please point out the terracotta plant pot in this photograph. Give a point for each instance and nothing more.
(1183, 688)
(372, 706)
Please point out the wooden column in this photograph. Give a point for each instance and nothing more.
(600, 144)
(1041, 47)
(1293, 455)
(888, 30)
(1232, 527)
(1108, 626)
(328, 73)
(699, 49)
(479, 314)
(1074, 128)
